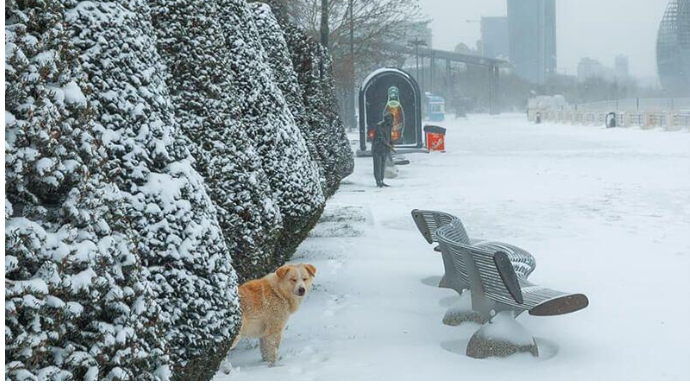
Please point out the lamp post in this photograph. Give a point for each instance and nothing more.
(416, 43)
(351, 99)
(324, 23)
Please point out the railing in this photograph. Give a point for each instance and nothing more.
(668, 113)
(649, 104)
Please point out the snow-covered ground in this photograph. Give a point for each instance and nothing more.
(605, 212)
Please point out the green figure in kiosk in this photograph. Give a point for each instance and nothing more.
(394, 107)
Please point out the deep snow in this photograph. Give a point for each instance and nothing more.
(605, 212)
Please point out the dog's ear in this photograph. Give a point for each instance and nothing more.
(282, 271)
(311, 269)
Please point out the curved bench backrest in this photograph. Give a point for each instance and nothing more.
(497, 275)
(492, 271)
(452, 237)
(429, 221)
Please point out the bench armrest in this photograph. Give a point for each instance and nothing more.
(508, 276)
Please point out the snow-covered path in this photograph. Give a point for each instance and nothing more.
(605, 212)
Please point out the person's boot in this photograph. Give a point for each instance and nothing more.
(383, 184)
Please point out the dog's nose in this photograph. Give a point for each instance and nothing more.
(301, 291)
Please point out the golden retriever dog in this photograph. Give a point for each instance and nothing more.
(267, 304)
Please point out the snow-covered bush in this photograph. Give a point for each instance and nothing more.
(177, 235)
(265, 115)
(192, 44)
(76, 305)
(285, 77)
(138, 159)
(323, 129)
(343, 150)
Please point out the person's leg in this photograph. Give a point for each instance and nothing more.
(377, 168)
(382, 168)
(384, 163)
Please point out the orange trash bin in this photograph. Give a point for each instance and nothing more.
(435, 138)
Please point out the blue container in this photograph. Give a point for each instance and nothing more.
(436, 108)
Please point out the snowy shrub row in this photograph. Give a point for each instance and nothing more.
(155, 151)
(308, 87)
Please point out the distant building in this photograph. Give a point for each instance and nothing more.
(589, 68)
(673, 48)
(621, 67)
(532, 38)
(494, 32)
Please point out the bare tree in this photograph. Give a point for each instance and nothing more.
(372, 22)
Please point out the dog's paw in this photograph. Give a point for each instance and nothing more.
(226, 367)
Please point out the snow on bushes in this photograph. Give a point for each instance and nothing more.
(118, 252)
(75, 305)
(193, 46)
(321, 125)
(264, 113)
(344, 155)
(285, 77)
(177, 235)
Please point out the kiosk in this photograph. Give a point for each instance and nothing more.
(394, 91)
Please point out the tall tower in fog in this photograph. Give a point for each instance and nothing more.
(673, 48)
(532, 37)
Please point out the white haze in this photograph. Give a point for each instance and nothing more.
(600, 29)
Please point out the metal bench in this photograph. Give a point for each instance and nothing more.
(428, 221)
(495, 286)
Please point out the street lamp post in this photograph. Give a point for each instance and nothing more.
(416, 43)
(351, 99)
(324, 23)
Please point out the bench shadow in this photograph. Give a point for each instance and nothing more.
(449, 300)
(431, 281)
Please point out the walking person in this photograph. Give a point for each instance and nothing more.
(382, 147)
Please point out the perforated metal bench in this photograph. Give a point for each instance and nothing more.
(429, 221)
(494, 283)
(496, 289)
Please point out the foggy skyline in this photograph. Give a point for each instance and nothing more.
(585, 28)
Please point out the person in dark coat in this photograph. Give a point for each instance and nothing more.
(382, 147)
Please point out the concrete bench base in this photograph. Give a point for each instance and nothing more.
(502, 337)
(461, 312)
(455, 317)
(482, 348)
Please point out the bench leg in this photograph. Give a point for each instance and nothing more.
(461, 312)
(501, 337)
(442, 283)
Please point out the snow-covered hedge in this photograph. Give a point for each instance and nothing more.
(193, 46)
(178, 237)
(313, 98)
(265, 115)
(285, 77)
(76, 305)
(152, 145)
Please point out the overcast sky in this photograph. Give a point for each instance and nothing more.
(599, 29)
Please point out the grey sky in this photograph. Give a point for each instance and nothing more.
(599, 29)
